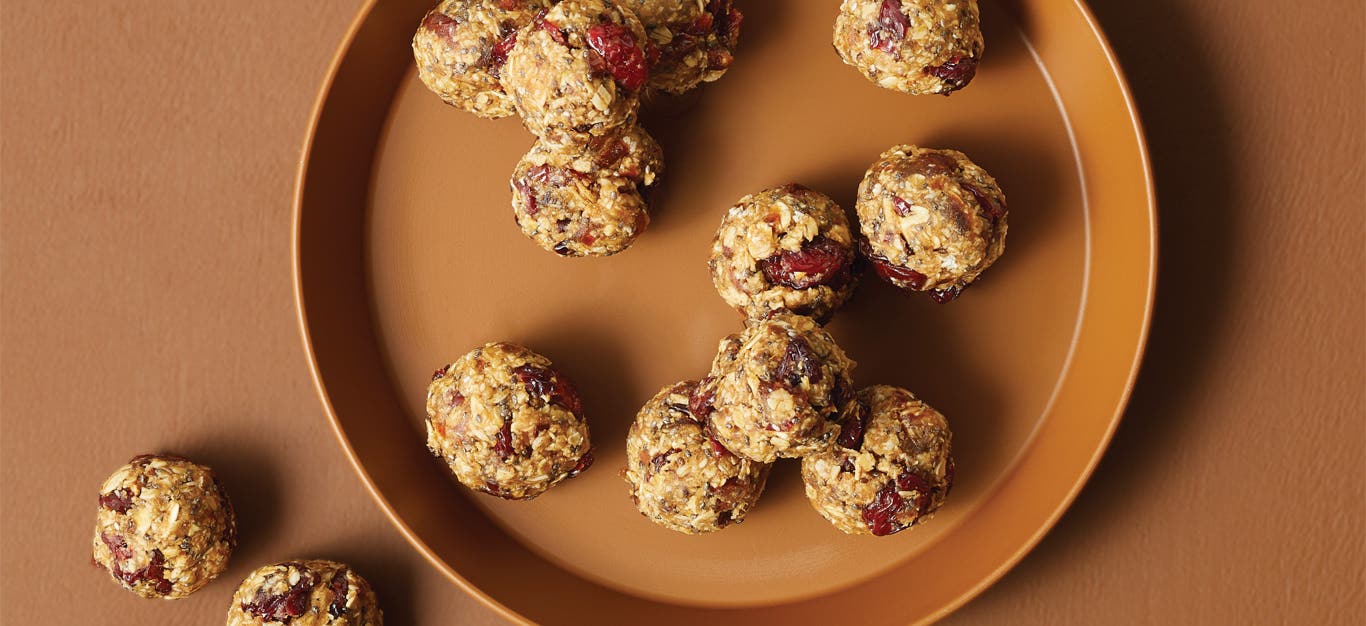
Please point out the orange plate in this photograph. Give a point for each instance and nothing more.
(407, 256)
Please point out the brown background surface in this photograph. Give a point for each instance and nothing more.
(147, 154)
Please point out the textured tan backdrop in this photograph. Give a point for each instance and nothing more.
(147, 152)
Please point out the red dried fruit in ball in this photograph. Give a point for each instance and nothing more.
(948, 294)
(585, 462)
(726, 21)
(956, 73)
(821, 261)
(154, 573)
(118, 500)
(282, 607)
(607, 150)
(799, 364)
(498, 55)
(715, 447)
(884, 515)
(624, 57)
(440, 24)
(884, 268)
(934, 164)
(701, 402)
(117, 545)
(990, 206)
(544, 384)
(509, 5)
(852, 426)
(502, 441)
(887, 33)
(337, 590)
(702, 25)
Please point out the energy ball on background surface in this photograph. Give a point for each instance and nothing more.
(784, 249)
(931, 219)
(305, 593)
(681, 478)
(507, 422)
(577, 72)
(890, 469)
(164, 528)
(461, 46)
(776, 389)
(587, 200)
(695, 40)
(912, 46)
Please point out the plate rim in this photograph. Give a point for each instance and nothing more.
(502, 610)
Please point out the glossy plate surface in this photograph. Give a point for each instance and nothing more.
(407, 256)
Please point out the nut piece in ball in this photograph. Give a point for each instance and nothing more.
(891, 469)
(931, 219)
(587, 200)
(682, 478)
(577, 71)
(784, 249)
(507, 422)
(164, 528)
(305, 593)
(461, 46)
(911, 46)
(776, 389)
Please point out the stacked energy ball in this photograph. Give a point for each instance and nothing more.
(575, 71)
(875, 460)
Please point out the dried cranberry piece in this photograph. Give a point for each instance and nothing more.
(726, 21)
(852, 426)
(117, 545)
(948, 477)
(882, 515)
(723, 519)
(562, 248)
(934, 163)
(624, 58)
(715, 447)
(544, 383)
(118, 500)
(555, 33)
(283, 607)
(702, 25)
(585, 462)
(993, 209)
(607, 150)
(154, 572)
(509, 5)
(502, 441)
(890, 28)
(888, 271)
(439, 373)
(902, 207)
(337, 589)
(701, 402)
(948, 294)
(498, 55)
(956, 73)
(440, 24)
(821, 261)
(799, 364)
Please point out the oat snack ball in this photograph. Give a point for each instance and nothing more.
(695, 40)
(682, 478)
(911, 46)
(461, 46)
(577, 72)
(507, 422)
(164, 528)
(305, 593)
(784, 249)
(587, 200)
(776, 389)
(890, 469)
(931, 219)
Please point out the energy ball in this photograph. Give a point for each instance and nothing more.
(305, 593)
(587, 200)
(695, 40)
(931, 219)
(890, 469)
(682, 478)
(784, 249)
(776, 389)
(911, 46)
(507, 422)
(461, 46)
(577, 72)
(164, 528)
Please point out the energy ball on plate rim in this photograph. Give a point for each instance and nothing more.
(776, 389)
(682, 478)
(461, 46)
(784, 249)
(577, 71)
(891, 469)
(587, 200)
(507, 422)
(695, 40)
(164, 527)
(305, 593)
(932, 220)
(912, 46)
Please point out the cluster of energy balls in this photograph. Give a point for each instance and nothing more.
(165, 528)
(575, 71)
